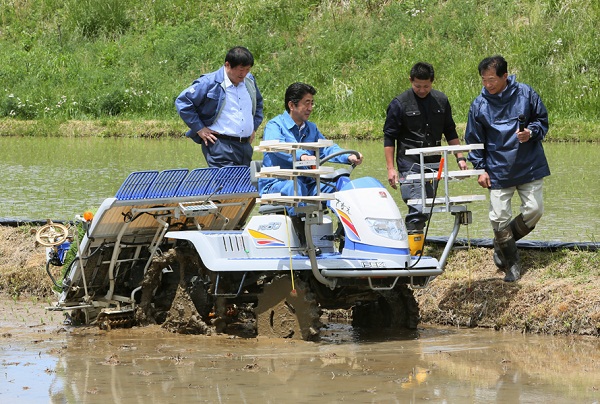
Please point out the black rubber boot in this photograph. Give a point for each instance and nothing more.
(300, 230)
(498, 260)
(518, 228)
(508, 254)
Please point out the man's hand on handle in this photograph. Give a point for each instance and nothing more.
(352, 159)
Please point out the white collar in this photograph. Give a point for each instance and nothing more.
(227, 81)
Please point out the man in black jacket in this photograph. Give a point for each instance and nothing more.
(417, 118)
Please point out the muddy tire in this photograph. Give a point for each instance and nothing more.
(191, 304)
(183, 317)
(403, 307)
(202, 299)
(108, 321)
(396, 309)
(283, 314)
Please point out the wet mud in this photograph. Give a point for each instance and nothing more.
(285, 313)
(186, 306)
(43, 361)
(278, 306)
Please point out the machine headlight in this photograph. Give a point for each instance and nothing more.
(389, 228)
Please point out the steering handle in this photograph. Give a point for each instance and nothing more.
(340, 153)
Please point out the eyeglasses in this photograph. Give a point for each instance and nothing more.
(490, 79)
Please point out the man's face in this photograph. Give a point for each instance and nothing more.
(421, 87)
(301, 112)
(236, 74)
(492, 82)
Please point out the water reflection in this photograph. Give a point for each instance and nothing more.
(60, 177)
(439, 365)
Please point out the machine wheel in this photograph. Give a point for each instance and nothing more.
(190, 304)
(402, 308)
(283, 314)
(118, 319)
(202, 299)
(396, 309)
(52, 234)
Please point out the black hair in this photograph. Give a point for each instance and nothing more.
(239, 56)
(496, 62)
(422, 71)
(295, 92)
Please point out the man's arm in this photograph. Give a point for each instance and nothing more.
(539, 117)
(460, 159)
(475, 133)
(452, 136)
(187, 104)
(315, 135)
(390, 153)
(258, 114)
(391, 131)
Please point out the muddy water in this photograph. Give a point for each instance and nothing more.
(58, 178)
(40, 361)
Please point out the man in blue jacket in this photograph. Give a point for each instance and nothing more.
(223, 110)
(511, 121)
(293, 126)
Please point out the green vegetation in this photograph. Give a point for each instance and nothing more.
(556, 295)
(114, 67)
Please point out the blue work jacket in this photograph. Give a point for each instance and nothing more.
(494, 121)
(284, 129)
(200, 104)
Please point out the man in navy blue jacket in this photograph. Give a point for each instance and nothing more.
(511, 121)
(223, 110)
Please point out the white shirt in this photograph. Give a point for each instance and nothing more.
(236, 117)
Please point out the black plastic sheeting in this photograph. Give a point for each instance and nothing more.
(24, 222)
(525, 244)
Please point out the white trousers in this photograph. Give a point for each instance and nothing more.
(532, 204)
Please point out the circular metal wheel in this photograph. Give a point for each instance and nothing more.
(108, 321)
(52, 234)
(395, 309)
(280, 313)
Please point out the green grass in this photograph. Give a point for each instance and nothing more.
(116, 62)
(573, 264)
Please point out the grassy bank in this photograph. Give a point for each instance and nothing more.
(568, 131)
(114, 67)
(557, 294)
